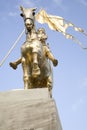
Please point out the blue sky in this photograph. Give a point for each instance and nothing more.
(70, 77)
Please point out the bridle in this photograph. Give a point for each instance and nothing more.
(29, 19)
(32, 21)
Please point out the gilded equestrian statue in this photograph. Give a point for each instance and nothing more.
(37, 70)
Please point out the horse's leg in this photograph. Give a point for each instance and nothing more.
(49, 85)
(15, 64)
(36, 69)
(51, 57)
(25, 73)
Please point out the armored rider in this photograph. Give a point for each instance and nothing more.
(47, 52)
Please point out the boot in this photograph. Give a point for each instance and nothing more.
(35, 70)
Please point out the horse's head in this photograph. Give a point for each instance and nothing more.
(28, 16)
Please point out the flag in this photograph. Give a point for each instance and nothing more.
(59, 24)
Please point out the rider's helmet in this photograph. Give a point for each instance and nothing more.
(42, 34)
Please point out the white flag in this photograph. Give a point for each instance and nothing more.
(59, 24)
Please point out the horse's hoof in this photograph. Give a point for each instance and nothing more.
(55, 62)
(13, 65)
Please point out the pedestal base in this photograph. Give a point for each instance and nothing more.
(31, 109)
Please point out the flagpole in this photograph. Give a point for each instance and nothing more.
(13, 46)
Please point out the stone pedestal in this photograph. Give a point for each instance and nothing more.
(31, 109)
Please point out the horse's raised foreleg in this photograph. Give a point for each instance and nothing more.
(25, 73)
(15, 64)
